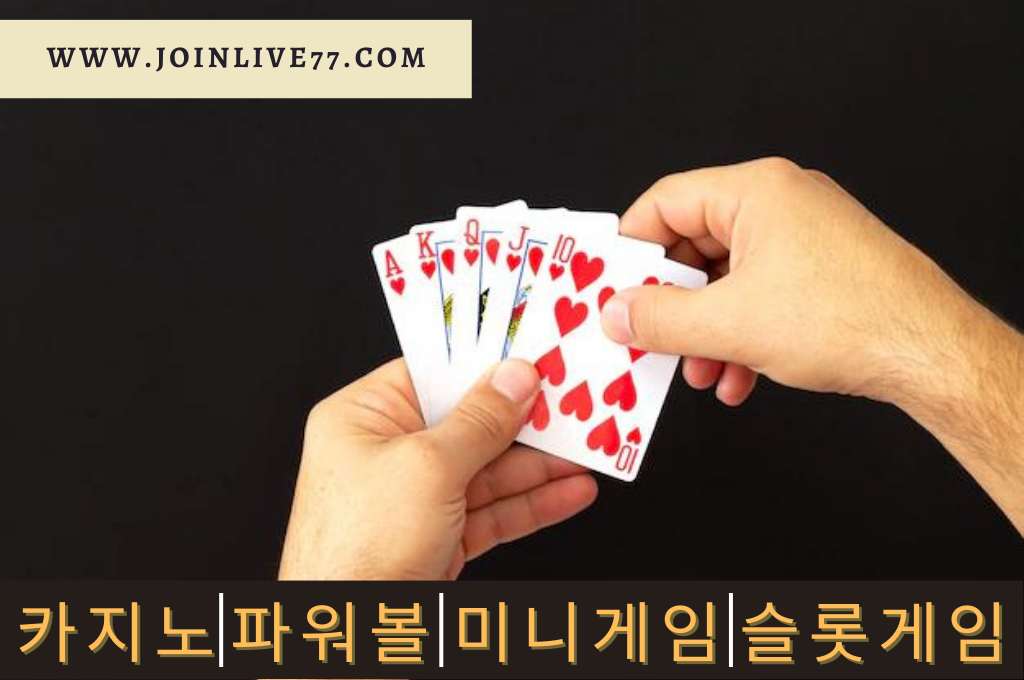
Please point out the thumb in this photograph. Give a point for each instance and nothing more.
(676, 320)
(486, 420)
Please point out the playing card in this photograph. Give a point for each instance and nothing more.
(455, 254)
(456, 259)
(498, 260)
(457, 291)
(435, 243)
(523, 252)
(599, 400)
(480, 231)
(408, 278)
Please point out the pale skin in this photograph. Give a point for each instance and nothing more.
(809, 289)
(815, 292)
(380, 497)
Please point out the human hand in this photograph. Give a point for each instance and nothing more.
(379, 497)
(813, 290)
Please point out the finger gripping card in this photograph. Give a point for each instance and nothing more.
(510, 281)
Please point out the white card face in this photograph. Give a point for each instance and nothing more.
(436, 258)
(480, 231)
(522, 256)
(499, 262)
(454, 267)
(435, 243)
(599, 401)
(557, 247)
(440, 240)
(411, 289)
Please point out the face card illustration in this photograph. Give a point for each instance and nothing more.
(412, 299)
(479, 232)
(438, 264)
(599, 401)
(555, 251)
(457, 310)
(525, 247)
(535, 249)
(436, 254)
(484, 227)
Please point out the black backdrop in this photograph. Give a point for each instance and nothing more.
(182, 280)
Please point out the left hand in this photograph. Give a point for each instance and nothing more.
(380, 497)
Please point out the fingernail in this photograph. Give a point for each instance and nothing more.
(515, 379)
(723, 395)
(615, 320)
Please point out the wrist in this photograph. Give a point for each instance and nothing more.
(935, 350)
(961, 377)
(977, 411)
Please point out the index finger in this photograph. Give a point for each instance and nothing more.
(698, 206)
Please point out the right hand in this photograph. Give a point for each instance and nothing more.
(814, 291)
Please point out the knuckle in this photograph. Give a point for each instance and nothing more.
(819, 174)
(488, 483)
(321, 415)
(665, 184)
(666, 179)
(533, 516)
(777, 164)
(778, 168)
(481, 418)
(495, 528)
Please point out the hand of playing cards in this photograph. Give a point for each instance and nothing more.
(458, 293)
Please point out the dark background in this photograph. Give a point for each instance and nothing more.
(183, 280)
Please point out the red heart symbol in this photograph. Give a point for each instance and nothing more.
(605, 436)
(578, 401)
(634, 436)
(428, 267)
(568, 315)
(551, 366)
(513, 261)
(492, 250)
(540, 416)
(621, 391)
(603, 296)
(448, 260)
(635, 354)
(471, 254)
(535, 256)
(651, 281)
(397, 284)
(555, 270)
(585, 271)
